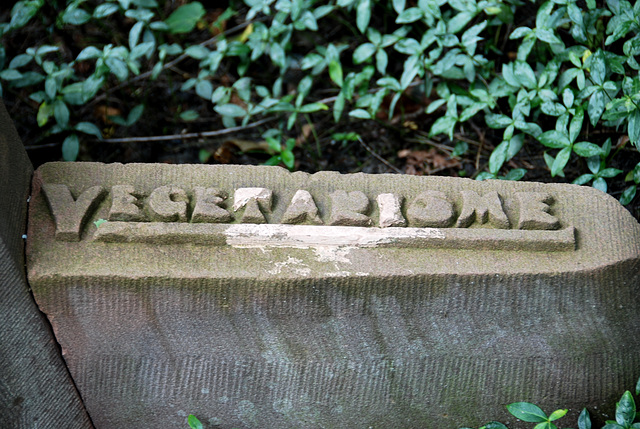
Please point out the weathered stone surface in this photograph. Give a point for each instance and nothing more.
(35, 387)
(429, 307)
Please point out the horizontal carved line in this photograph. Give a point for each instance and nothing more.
(305, 236)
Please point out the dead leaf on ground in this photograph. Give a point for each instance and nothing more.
(103, 112)
(426, 162)
(225, 153)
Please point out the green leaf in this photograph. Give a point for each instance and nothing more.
(360, 114)
(408, 46)
(443, 125)
(626, 410)
(363, 15)
(204, 89)
(335, 72)
(90, 52)
(515, 174)
(185, 18)
(633, 127)
(44, 112)
(582, 180)
(20, 61)
(104, 10)
(554, 139)
(381, 61)
(197, 51)
(497, 120)
(99, 222)
(636, 171)
(118, 68)
(70, 148)
(409, 15)
(135, 114)
(50, 87)
(498, 157)
(313, 107)
(600, 184)
(89, 128)
(75, 16)
(189, 115)
(61, 113)
(193, 422)
(398, 5)
(557, 414)
(22, 12)
(560, 162)
(363, 52)
(277, 54)
(576, 125)
(232, 110)
(494, 425)
(525, 75)
(288, 158)
(610, 172)
(586, 149)
(627, 196)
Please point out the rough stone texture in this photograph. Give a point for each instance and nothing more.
(260, 325)
(35, 388)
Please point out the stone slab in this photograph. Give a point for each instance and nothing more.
(255, 297)
(35, 387)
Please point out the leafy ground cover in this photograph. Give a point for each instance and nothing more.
(505, 89)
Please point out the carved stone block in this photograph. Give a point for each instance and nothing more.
(255, 297)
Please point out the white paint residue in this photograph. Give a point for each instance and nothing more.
(305, 236)
(390, 210)
(243, 195)
(338, 274)
(333, 254)
(295, 265)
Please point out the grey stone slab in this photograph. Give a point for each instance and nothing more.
(36, 390)
(255, 297)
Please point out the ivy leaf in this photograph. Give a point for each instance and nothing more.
(185, 18)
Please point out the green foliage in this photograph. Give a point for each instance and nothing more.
(626, 415)
(573, 83)
(193, 422)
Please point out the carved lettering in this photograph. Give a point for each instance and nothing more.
(70, 215)
(209, 206)
(431, 209)
(302, 210)
(168, 204)
(534, 211)
(349, 209)
(487, 208)
(255, 201)
(125, 205)
(390, 206)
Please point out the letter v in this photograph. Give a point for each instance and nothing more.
(69, 214)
